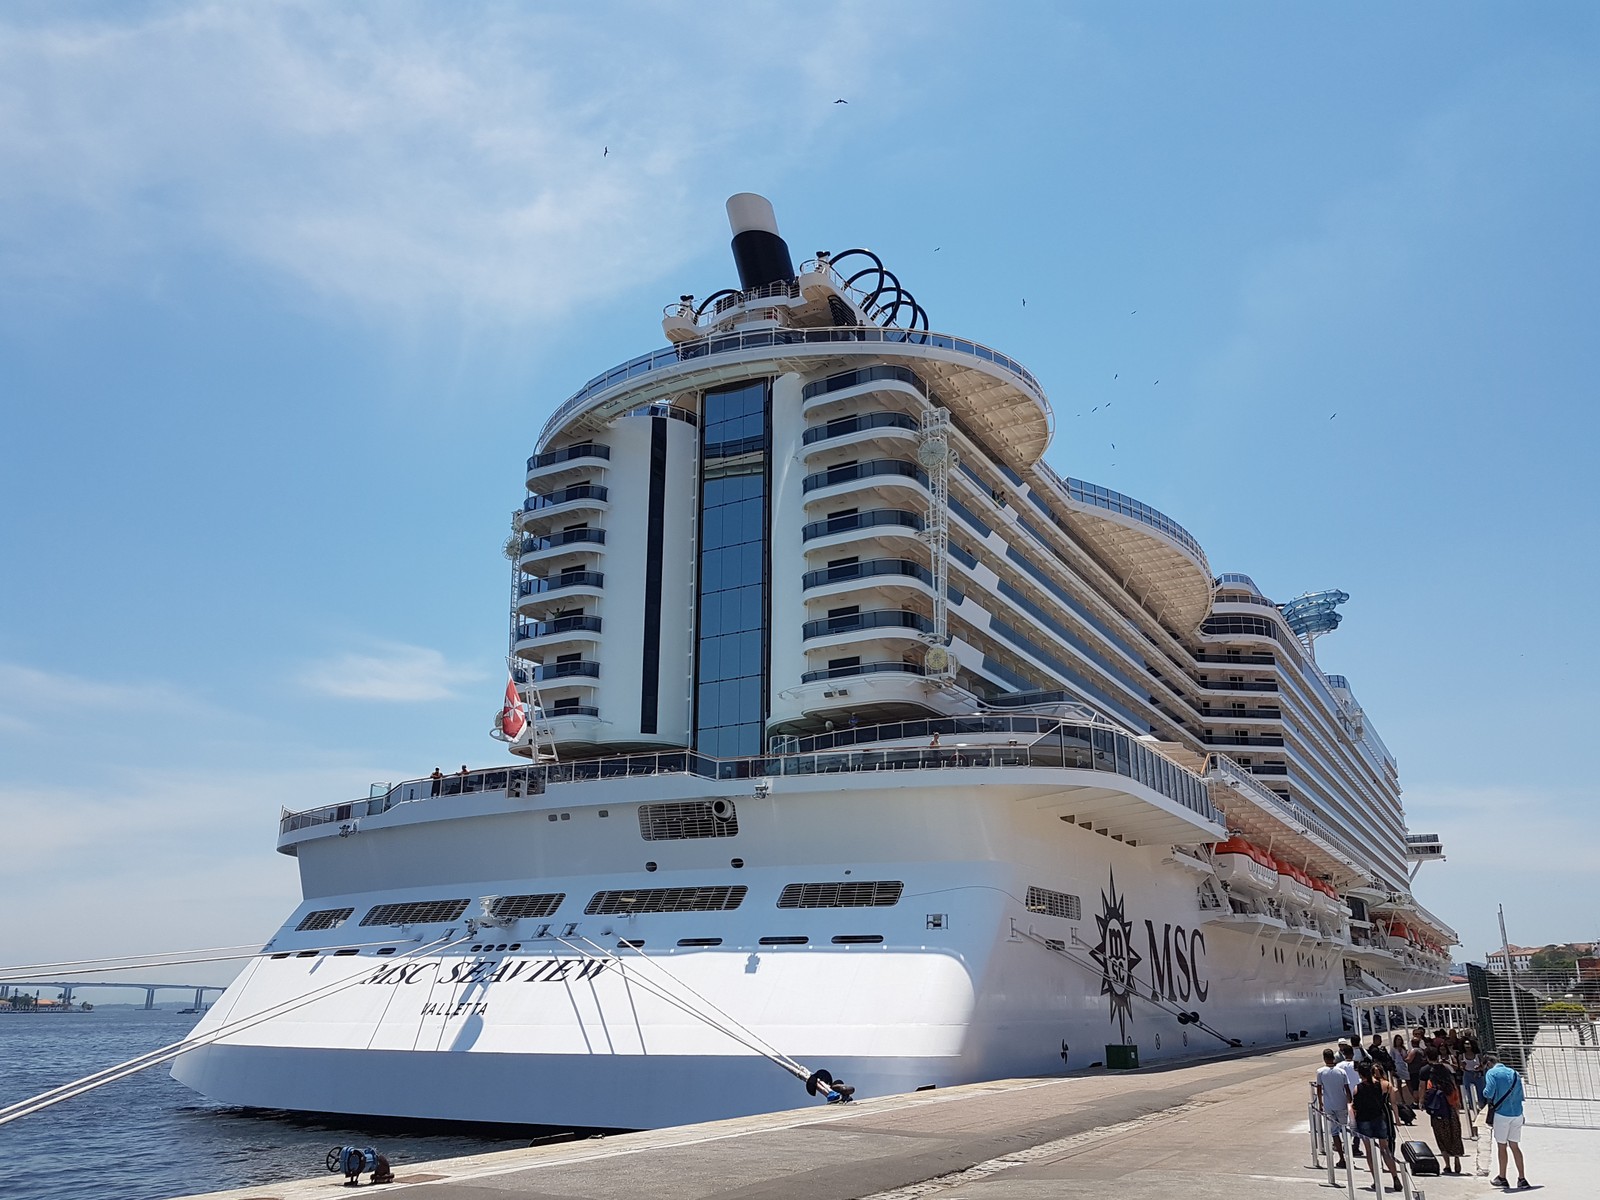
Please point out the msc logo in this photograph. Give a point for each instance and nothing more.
(1174, 956)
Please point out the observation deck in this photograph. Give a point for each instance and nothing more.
(983, 388)
(1160, 561)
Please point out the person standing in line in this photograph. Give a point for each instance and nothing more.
(1378, 1055)
(1502, 1092)
(1402, 1070)
(1371, 1107)
(1333, 1098)
(1441, 1100)
(1471, 1073)
(1347, 1064)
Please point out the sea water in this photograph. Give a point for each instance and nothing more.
(148, 1137)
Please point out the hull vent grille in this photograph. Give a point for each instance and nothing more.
(866, 893)
(714, 898)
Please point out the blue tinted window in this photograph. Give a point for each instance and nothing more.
(731, 663)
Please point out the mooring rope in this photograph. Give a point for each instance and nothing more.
(122, 1070)
(771, 1051)
(736, 1032)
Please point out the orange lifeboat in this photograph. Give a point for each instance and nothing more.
(1244, 867)
(1294, 887)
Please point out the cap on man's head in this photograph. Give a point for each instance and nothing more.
(1344, 1041)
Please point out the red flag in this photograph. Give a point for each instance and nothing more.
(512, 718)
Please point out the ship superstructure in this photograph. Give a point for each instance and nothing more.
(859, 736)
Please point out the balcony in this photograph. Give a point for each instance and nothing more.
(541, 634)
(551, 464)
(579, 497)
(876, 619)
(891, 474)
(1267, 739)
(1242, 660)
(581, 669)
(895, 575)
(542, 549)
(890, 425)
(534, 595)
(872, 668)
(871, 525)
(1243, 685)
(557, 583)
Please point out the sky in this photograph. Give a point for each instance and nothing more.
(287, 291)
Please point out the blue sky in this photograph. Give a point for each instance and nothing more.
(287, 290)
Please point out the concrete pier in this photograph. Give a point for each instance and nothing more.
(1231, 1128)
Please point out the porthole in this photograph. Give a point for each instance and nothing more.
(649, 866)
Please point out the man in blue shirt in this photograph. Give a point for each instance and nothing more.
(1502, 1087)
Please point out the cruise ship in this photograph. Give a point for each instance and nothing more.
(852, 751)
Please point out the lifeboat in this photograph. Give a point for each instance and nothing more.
(1294, 886)
(1244, 867)
(1327, 901)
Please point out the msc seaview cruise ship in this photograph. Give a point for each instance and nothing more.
(863, 747)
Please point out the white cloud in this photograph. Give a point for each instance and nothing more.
(394, 672)
(404, 157)
(34, 701)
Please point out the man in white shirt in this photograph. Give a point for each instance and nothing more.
(1347, 1064)
(1333, 1097)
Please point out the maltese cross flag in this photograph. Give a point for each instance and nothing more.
(512, 718)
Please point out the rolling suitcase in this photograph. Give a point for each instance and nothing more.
(1419, 1158)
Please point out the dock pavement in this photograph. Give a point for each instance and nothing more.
(1233, 1127)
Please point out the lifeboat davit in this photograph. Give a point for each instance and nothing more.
(1244, 867)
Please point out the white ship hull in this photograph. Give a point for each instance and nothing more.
(572, 1031)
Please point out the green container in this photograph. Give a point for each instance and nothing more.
(1122, 1058)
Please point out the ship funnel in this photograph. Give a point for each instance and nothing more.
(760, 254)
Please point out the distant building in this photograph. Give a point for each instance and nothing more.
(1522, 956)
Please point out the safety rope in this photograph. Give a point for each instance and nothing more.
(122, 1070)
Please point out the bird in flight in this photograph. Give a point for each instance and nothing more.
(1024, 302)
(936, 249)
(1117, 376)
(1153, 384)
(1334, 415)
(1134, 313)
(605, 152)
(841, 102)
(1113, 445)
(1096, 408)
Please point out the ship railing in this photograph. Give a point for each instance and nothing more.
(1066, 746)
(757, 339)
(1306, 824)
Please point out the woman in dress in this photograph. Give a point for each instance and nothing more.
(1441, 1100)
(1373, 1109)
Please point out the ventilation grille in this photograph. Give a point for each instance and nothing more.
(672, 899)
(1054, 904)
(512, 908)
(415, 912)
(327, 918)
(688, 819)
(871, 893)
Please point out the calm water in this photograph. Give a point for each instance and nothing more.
(148, 1137)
